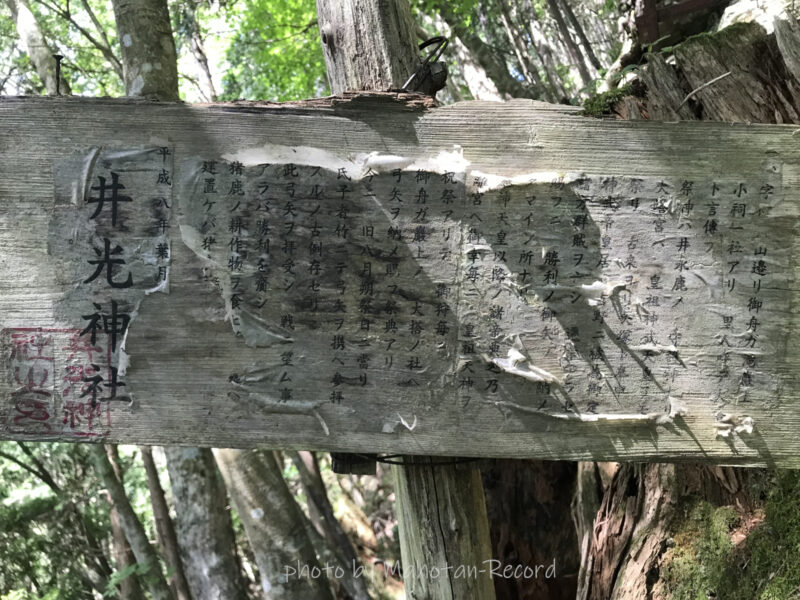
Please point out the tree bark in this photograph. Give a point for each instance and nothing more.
(166, 532)
(36, 46)
(319, 506)
(787, 36)
(758, 84)
(134, 532)
(149, 61)
(638, 514)
(585, 504)
(203, 525)
(274, 525)
(576, 25)
(444, 531)
(527, 502)
(574, 51)
(129, 588)
(368, 44)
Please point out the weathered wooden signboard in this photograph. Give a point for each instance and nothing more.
(369, 275)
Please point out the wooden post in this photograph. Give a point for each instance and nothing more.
(369, 45)
(444, 531)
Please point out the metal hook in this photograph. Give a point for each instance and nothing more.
(432, 56)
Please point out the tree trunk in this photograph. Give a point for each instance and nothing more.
(585, 504)
(274, 525)
(487, 57)
(541, 45)
(530, 522)
(759, 89)
(134, 532)
(576, 25)
(368, 44)
(197, 46)
(639, 510)
(166, 532)
(98, 568)
(149, 61)
(325, 522)
(444, 532)
(129, 588)
(529, 70)
(638, 514)
(574, 52)
(203, 525)
(36, 46)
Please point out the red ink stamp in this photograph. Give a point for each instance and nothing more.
(55, 376)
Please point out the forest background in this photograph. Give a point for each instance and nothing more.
(80, 521)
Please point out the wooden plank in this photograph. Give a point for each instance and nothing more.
(610, 329)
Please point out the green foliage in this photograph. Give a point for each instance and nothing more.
(764, 567)
(701, 544)
(84, 65)
(119, 576)
(25, 595)
(276, 53)
(466, 11)
(43, 531)
(599, 105)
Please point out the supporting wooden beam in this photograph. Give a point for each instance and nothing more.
(444, 531)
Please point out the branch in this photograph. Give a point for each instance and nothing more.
(6, 78)
(45, 474)
(44, 477)
(106, 51)
(196, 84)
(702, 87)
(311, 24)
(97, 24)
